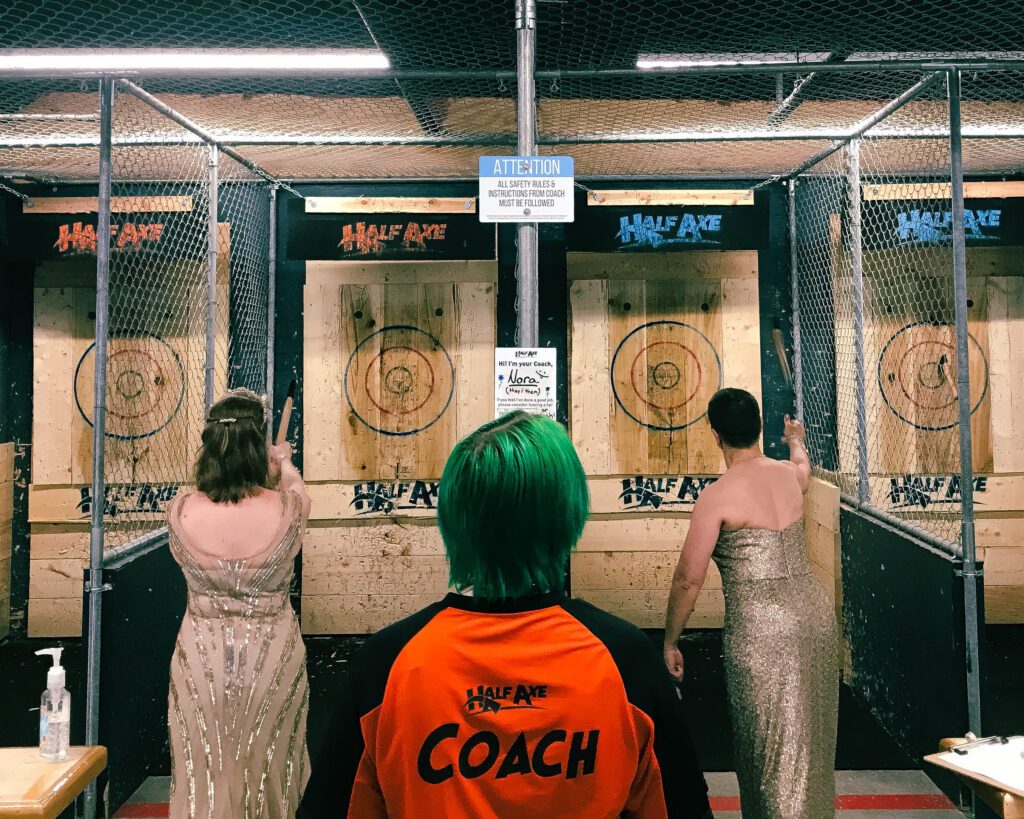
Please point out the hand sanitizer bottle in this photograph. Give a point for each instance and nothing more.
(54, 712)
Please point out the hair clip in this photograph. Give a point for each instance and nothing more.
(221, 420)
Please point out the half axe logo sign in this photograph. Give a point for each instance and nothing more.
(654, 493)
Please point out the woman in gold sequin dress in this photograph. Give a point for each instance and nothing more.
(238, 694)
(780, 640)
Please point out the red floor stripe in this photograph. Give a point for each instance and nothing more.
(143, 810)
(893, 801)
(866, 801)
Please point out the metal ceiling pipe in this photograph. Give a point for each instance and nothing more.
(527, 250)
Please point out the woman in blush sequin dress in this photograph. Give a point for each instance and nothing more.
(238, 694)
(780, 640)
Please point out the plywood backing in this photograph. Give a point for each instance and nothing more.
(626, 312)
(910, 430)
(357, 424)
(170, 310)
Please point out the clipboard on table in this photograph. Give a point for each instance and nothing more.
(995, 761)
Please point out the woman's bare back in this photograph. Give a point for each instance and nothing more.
(760, 493)
(232, 530)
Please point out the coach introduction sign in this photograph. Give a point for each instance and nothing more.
(526, 189)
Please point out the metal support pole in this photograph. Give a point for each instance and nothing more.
(794, 284)
(963, 391)
(857, 276)
(527, 252)
(211, 279)
(95, 587)
(271, 299)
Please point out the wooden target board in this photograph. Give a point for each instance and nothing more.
(155, 371)
(398, 365)
(911, 372)
(653, 337)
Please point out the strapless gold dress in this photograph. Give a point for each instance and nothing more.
(781, 650)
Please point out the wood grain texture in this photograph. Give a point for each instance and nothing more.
(118, 204)
(588, 368)
(53, 376)
(390, 204)
(941, 190)
(381, 402)
(709, 264)
(55, 617)
(627, 309)
(338, 273)
(1005, 297)
(717, 196)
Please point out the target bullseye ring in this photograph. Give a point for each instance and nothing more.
(399, 380)
(917, 376)
(145, 385)
(663, 373)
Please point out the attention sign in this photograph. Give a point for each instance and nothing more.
(526, 189)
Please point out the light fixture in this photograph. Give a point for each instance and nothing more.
(191, 61)
(701, 60)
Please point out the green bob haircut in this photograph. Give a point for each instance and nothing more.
(512, 503)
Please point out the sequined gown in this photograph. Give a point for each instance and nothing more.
(238, 693)
(781, 664)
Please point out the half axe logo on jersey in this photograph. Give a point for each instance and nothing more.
(494, 698)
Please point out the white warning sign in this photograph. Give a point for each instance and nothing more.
(526, 189)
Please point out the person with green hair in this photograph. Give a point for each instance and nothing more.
(507, 698)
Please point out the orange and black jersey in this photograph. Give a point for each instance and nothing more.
(539, 707)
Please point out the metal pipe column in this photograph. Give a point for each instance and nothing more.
(211, 279)
(794, 285)
(963, 392)
(95, 587)
(527, 307)
(857, 277)
(271, 301)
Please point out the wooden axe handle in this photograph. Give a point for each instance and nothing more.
(286, 415)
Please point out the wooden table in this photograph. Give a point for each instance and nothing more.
(31, 786)
(1006, 805)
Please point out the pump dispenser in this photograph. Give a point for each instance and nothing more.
(54, 711)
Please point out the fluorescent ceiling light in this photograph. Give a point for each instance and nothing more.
(744, 58)
(184, 61)
(650, 61)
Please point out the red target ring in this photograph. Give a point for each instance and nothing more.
(399, 379)
(656, 375)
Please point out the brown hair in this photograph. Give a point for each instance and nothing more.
(232, 462)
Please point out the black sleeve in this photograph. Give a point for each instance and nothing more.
(335, 762)
(650, 688)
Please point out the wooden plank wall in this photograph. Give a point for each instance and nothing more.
(925, 461)
(6, 518)
(624, 562)
(169, 303)
(363, 569)
(821, 533)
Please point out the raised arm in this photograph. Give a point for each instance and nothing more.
(689, 576)
(796, 438)
(290, 477)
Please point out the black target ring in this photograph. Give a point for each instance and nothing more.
(398, 378)
(667, 374)
(931, 375)
(134, 387)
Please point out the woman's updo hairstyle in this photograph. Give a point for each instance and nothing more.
(232, 462)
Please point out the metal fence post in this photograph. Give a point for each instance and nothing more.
(527, 251)
(857, 280)
(794, 284)
(271, 298)
(963, 391)
(211, 279)
(95, 587)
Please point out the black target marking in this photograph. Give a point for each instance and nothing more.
(399, 380)
(663, 373)
(145, 385)
(917, 375)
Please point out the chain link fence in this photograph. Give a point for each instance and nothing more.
(188, 309)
